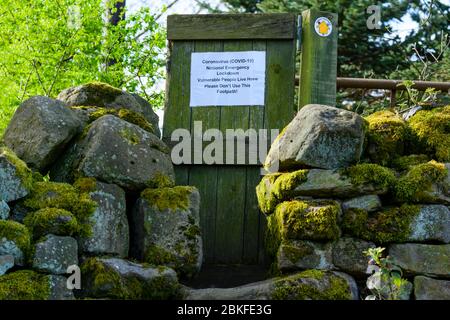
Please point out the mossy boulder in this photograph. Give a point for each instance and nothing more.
(110, 230)
(166, 229)
(301, 255)
(432, 129)
(306, 285)
(102, 95)
(51, 221)
(349, 257)
(30, 285)
(387, 133)
(431, 289)
(419, 223)
(424, 183)
(425, 259)
(117, 152)
(319, 137)
(120, 279)
(357, 180)
(61, 196)
(303, 220)
(40, 130)
(16, 179)
(54, 254)
(14, 240)
(4, 210)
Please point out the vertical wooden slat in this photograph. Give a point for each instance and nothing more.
(205, 177)
(319, 61)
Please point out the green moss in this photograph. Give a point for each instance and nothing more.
(161, 180)
(104, 281)
(286, 182)
(386, 226)
(302, 220)
(63, 196)
(51, 220)
(156, 255)
(266, 200)
(168, 198)
(386, 135)
(24, 285)
(417, 182)
(432, 128)
(295, 252)
(369, 173)
(406, 162)
(100, 93)
(301, 287)
(192, 232)
(16, 232)
(124, 114)
(22, 170)
(130, 135)
(86, 184)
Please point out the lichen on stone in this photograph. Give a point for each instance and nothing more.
(22, 171)
(24, 285)
(168, 198)
(432, 129)
(130, 136)
(124, 114)
(418, 180)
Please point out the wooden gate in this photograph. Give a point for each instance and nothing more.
(231, 224)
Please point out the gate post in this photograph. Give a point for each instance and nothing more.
(318, 58)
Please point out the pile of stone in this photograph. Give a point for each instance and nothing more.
(340, 184)
(86, 181)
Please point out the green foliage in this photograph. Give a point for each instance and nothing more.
(47, 46)
(24, 285)
(386, 283)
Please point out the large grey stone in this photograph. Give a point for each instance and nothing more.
(307, 285)
(117, 152)
(58, 288)
(301, 255)
(431, 289)
(369, 203)
(110, 231)
(320, 137)
(6, 263)
(102, 95)
(165, 229)
(4, 210)
(348, 255)
(121, 279)
(15, 177)
(39, 131)
(432, 223)
(54, 254)
(426, 259)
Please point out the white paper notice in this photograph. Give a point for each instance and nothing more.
(228, 78)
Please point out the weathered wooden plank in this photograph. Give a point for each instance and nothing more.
(231, 26)
(280, 108)
(319, 61)
(181, 175)
(205, 177)
(177, 111)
